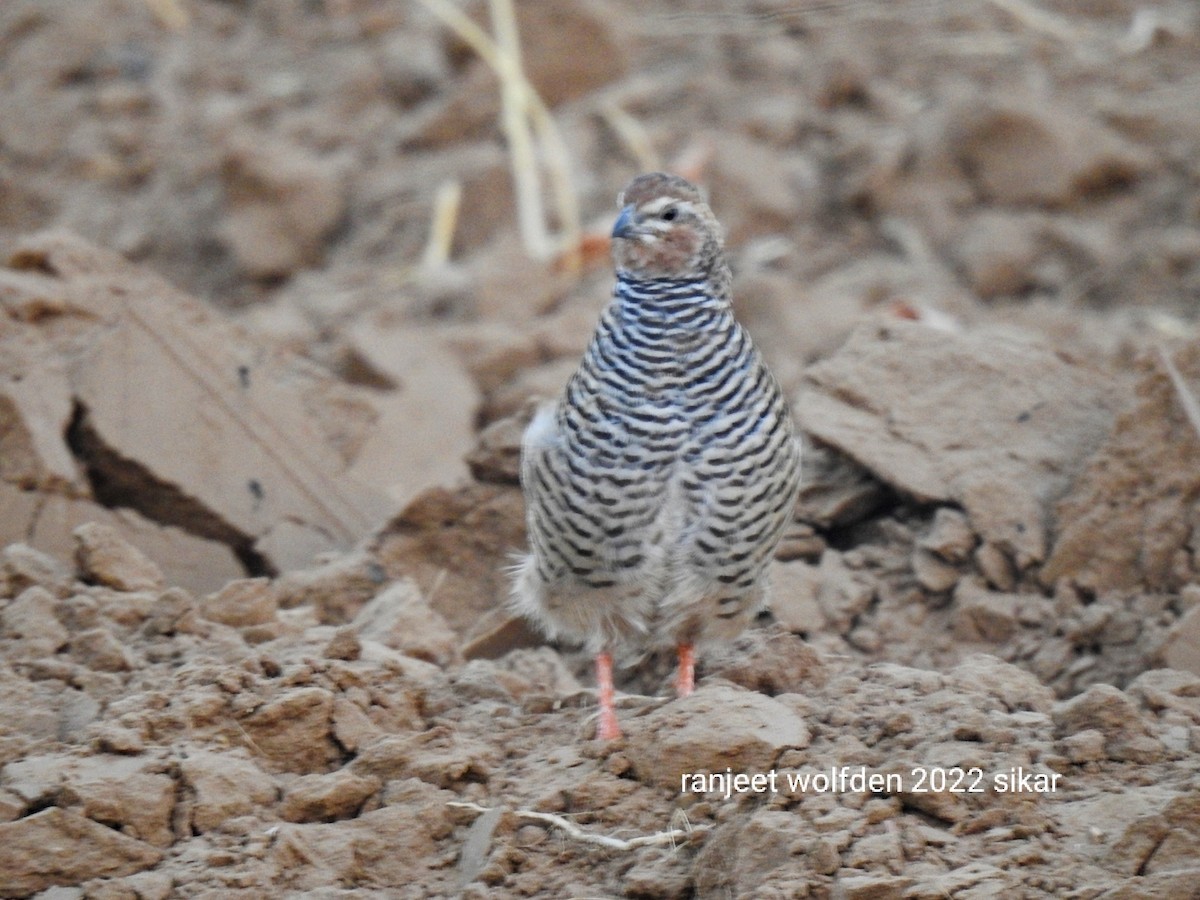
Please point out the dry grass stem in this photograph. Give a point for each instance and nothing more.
(1036, 19)
(522, 108)
(662, 838)
(442, 225)
(631, 133)
(1187, 399)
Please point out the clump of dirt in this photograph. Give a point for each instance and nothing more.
(258, 466)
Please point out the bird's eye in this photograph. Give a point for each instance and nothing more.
(670, 215)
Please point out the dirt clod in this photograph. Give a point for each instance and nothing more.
(272, 325)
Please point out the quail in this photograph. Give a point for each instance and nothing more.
(659, 484)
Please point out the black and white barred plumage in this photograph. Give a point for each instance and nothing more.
(658, 486)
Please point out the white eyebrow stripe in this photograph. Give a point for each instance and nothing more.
(658, 204)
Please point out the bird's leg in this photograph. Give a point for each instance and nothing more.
(608, 729)
(685, 679)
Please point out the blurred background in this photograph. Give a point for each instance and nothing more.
(1032, 162)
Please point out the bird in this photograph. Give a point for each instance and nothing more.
(659, 484)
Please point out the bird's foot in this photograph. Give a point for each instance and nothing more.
(608, 729)
(685, 678)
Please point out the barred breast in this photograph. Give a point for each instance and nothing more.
(659, 485)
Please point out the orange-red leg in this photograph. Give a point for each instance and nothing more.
(685, 679)
(608, 729)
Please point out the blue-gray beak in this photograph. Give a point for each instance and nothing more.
(623, 227)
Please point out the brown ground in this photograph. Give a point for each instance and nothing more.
(257, 472)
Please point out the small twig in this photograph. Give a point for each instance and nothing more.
(521, 108)
(631, 133)
(1186, 398)
(667, 838)
(516, 124)
(446, 203)
(1040, 20)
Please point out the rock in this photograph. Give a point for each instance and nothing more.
(150, 885)
(1083, 746)
(455, 544)
(835, 490)
(871, 851)
(30, 618)
(843, 593)
(35, 410)
(32, 711)
(1177, 835)
(714, 728)
(1153, 833)
(352, 728)
(1036, 152)
(975, 879)
(982, 615)
(792, 323)
(1003, 456)
(998, 251)
(124, 791)
(932, 573)
(281, 203)
(995, 566)
(1015, 688)
(768, 661)
(1150, 887)
(294, 731)
(22, 566)
(497, 456)
(395, 845)
(1168, 689)
(437, 756)
(223, 785)
(58, 847)
(663, 877)
(79, 711)
(414, 65)
(104, 557)
(426, 425)
(11, 806)
(1110, 711)
(535, 672)
(748, 855)
(793, 598)
(871, 887)
(949, 537)
(99, 650)
(1181, 647)
(337, 589)
(399, 617)
(499, 633)
(325, 798)
(49, 525)
(343, 645)
(1133, 485)
(241, 603)
(465, 114)
(284, 432)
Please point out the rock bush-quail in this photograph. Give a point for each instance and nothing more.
(658, 486)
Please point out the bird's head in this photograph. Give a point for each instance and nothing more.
(665, 230)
